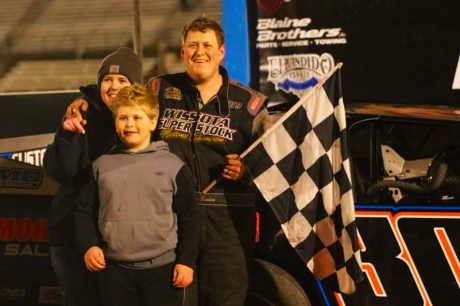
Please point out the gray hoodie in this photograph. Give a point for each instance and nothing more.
(145, 203)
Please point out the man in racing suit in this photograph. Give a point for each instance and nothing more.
(207, 120)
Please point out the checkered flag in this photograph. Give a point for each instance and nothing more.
(302, 169)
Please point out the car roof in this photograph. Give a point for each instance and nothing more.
(443, 113)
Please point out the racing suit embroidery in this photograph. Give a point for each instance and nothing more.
(177, 123)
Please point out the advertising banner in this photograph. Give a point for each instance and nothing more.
(398, 52)
(27, 277)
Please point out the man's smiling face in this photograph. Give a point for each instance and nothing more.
(202, 55)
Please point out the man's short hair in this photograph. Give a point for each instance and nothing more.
(137, 95)
(202, 24)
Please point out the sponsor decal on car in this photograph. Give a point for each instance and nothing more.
(412, 256)
(33, 156)
(50, 295)
(23, 237)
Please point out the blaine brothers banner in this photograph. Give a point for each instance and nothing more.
(390, 52)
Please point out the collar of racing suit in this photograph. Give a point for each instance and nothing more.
(222, 94)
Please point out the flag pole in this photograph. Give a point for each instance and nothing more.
(308, 94)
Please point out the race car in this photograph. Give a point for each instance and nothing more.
(405, 164)
(406, 177)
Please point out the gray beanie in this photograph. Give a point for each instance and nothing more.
(123, 61)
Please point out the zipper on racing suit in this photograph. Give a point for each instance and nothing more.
(195, 159)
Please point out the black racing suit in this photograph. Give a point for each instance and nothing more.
(201, 135)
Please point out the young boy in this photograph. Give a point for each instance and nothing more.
(137, 218)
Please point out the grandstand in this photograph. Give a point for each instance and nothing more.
(59, 44)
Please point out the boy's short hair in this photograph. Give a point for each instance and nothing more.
(202, 24)
(137, 95)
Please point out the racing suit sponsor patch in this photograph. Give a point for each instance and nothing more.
(173, 93)
(154, 85)
(254, 105)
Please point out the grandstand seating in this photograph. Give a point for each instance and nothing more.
(73, 35)
(10, 14)
(40, 75)
(89, 25)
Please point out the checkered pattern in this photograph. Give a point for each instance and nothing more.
(302, 169)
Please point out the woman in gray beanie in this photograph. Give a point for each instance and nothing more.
(68, 160)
